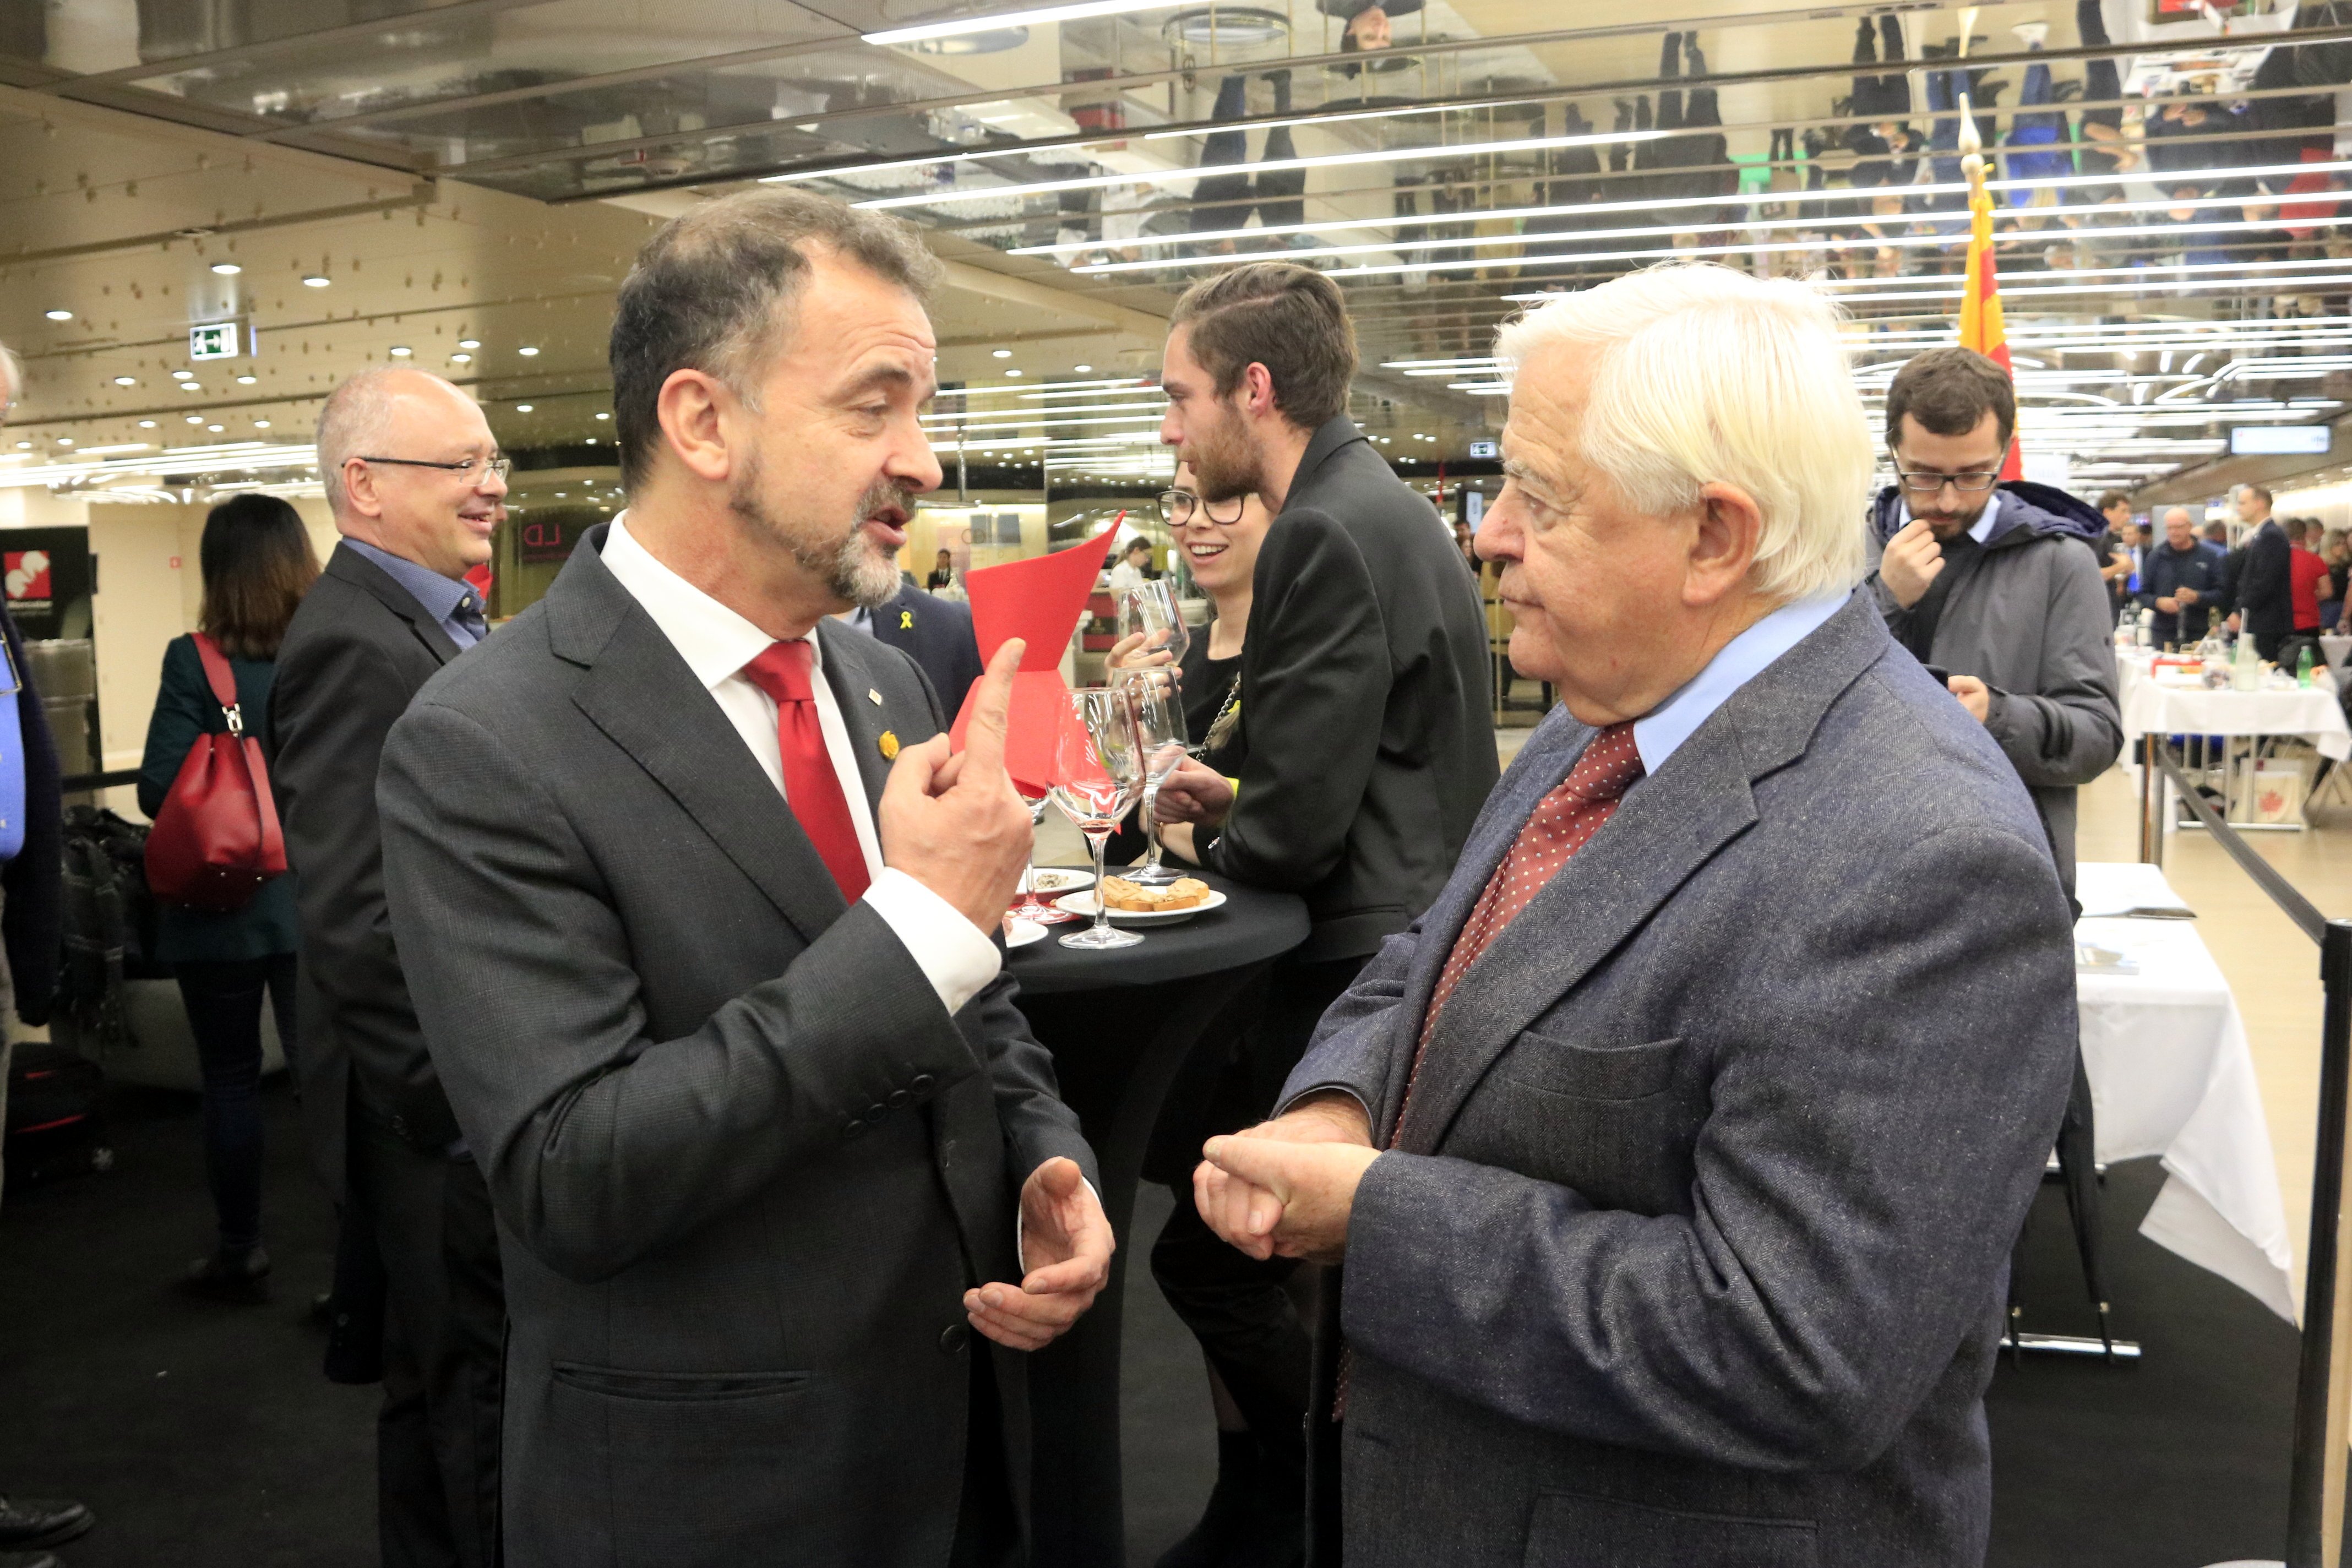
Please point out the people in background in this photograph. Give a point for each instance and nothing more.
(1133, 568)
(416, 486)
(2336, 549)
(785, 1185)
(1365, 685)
(2114, 549)
(32, 936)
(2181, 583)
(258, 563)
(936, 633)
(1991, 583)
(943, 573)
(2262, 590)
(1674, 1153)
(2307, 574)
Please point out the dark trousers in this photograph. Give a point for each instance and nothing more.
(988, 1533)
(444, 1330)
(223, 1002)
(1235, 1306)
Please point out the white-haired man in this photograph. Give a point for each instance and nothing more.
(417, 485)
(1674, 1153)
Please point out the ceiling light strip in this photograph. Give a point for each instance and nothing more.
(1084, 10)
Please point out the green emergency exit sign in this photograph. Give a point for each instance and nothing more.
(213, 340)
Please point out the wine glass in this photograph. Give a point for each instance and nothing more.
(1098, 773)
(1030, 907)
(1150, 610)
(1160, 728)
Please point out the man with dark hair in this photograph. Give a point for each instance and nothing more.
(1365, 689)
(2263, 592)
(782, 1177)
(1988, 582)
(2114, 550)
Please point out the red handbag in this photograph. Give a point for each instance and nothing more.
(216, 839)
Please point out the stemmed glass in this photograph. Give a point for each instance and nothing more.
(1150, 610)
(1097, 774)
(1160, 728)
(1030, 907)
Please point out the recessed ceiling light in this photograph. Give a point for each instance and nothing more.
(1013, 372)
(247, 379)
(604, 416)
(401, 351)
(146, 425)
(59, 315)
(214, 428)
(461, 359)
(21, 445)
(592, 440)
(195, 418)
(227, 269)
(126, 381)
(182, 375)
(527, 351)
(261, 424)
(317, 280)
(64, 440)
(522, 408)
(469, 343)
(1080, 369)
(190, 386)
(1001, 353)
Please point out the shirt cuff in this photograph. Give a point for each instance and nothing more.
(949, 949)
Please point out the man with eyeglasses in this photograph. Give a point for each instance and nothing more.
(1997, 586)
(417, 488)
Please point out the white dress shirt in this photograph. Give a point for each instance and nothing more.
(715, 644)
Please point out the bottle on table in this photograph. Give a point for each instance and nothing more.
(2302, 666)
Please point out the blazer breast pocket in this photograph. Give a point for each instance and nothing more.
(1614, 1123)
(1570, 1530)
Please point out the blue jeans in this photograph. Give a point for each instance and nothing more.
(223, 1003)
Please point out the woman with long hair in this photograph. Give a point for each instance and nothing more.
(258, 563)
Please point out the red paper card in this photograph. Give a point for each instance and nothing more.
(1038, 600)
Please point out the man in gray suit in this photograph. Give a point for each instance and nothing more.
(716, 989)
(1674, 1154)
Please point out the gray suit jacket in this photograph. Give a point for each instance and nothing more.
(744, 1163)
(1691, 1248)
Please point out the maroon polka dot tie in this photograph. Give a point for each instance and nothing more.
(1563, 822)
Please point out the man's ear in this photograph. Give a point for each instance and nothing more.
(1723, 545)
(690, 405)
(359, 489)
(1257, 391)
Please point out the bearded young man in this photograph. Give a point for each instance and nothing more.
(1364, 696)
(715, 987)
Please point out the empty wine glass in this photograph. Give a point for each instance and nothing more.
(1097, 774)
(1030, 907)
(1150, 611)
(1160, 728)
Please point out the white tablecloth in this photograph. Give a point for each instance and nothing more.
(2171, 1076)
(2151, 707)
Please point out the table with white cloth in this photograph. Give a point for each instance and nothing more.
(2154, 705)
(2172, 1076)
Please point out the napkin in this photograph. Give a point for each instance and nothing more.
(1040, 601)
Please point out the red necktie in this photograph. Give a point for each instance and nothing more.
(811, 787)
(1562, 823)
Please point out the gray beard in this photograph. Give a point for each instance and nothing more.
(849, 566)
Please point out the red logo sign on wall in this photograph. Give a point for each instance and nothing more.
(28, 573)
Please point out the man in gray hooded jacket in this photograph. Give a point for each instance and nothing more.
(1997, 585)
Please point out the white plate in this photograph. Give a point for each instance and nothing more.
(1020, 933)
(1053, 879)
(1084, 904)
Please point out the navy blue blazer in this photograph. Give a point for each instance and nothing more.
(936, 635)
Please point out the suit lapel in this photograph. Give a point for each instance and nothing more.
(360, 573)
(853, 683)
(638, 691)
(1666, 828)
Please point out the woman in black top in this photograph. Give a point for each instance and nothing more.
(258, 563)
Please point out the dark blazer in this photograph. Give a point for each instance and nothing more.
(936, 635)
(2265, 591)
(185, 710)
(1692, 1247)
(354, 654)
(32, 921)
(1365, 685)
(2166, 570)
(744, 1164)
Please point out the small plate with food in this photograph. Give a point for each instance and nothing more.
(1139, 904)
(1053, 881)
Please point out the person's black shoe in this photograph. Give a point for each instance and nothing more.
(28, 1522)
(240, 1279)
(28, 1560)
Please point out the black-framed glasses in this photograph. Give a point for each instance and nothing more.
(1178, 508)
(470, 469)
(1929, 484)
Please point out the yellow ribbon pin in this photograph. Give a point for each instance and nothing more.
(889, 744)
(906, 620)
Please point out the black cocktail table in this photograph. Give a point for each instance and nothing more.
(1119, 1025)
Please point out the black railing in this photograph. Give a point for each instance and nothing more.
(2307, 1504)
(78, 784)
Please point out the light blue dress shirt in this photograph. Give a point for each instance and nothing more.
(1658, 733)
(441, 597)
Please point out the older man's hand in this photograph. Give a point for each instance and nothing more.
(1250, 1213)
(1911, 562)
(1312, 1185)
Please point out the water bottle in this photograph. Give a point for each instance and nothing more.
(2245, 666)
(2302, 666)
(2146, 635)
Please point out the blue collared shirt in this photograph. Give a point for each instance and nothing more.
(1657, 733)
(440, 596)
